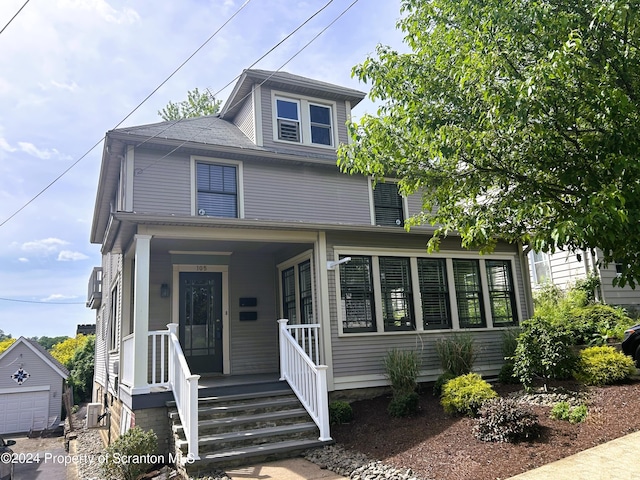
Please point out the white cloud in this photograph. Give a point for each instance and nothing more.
(23, 260)
(72, 87)
(69, 256)
(31, 149)
(4, 145)
(107, 12)
(57, 296)
(44, 246)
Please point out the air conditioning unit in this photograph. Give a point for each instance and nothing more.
(93, 412)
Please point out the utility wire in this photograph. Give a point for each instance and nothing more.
(125, 118)
(5, 27)
(240, 100)
(36, 301)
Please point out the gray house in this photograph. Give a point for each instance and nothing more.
(31, 387)
(214, 228)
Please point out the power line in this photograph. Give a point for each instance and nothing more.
(125, 118)
(41, 302)
(11, 20)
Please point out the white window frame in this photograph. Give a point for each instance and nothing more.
(532, 266)
(195, 159)
(295, 262)
(372, 206)
(413, 255)
(305, 118)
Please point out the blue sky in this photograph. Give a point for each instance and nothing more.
(72, 69)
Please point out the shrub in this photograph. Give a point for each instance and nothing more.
(466, 394)
(457, 354)
(593, 323)
(505, 420)
(135, 444)
(401, 368)
(403, 405)
(603, 366)
(506, 374)
(509, 345)
(564, 411)
(440, 381)
(544, 350)
(340, 412)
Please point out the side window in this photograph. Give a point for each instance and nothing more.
(289, 295)
(320, 117)
(434, 291)
(501, 292)
(387, 205)
(306, 292)
(288, 117)
(540, 267)
(469, 293)
(217, 186)
(113, 319)
(397, 296)
(356, 295)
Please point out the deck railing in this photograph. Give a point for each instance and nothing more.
(126, 375)
(308, 380)
(185, 391)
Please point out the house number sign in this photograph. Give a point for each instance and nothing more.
(201, 268)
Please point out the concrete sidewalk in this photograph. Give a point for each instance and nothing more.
(290, 469)
(614, 460)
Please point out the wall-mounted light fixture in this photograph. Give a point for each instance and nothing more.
(164, 290)
(331, 265)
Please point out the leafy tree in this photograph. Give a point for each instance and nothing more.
(49, 342)
(4, 336)
(82, 367)
(6, 343)
(65, 351)
(516, 119)
(196, 105)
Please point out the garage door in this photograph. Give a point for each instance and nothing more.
(20, 412)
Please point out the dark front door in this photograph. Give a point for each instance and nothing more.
(201, 321)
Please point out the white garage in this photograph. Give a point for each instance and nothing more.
(31, 387)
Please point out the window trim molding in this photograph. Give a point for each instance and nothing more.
(372, 206)
(413, 255)
(195, 159)
(305, 119)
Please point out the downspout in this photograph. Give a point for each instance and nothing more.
(526, 277)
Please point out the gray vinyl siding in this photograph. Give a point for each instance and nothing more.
(245, 119)
(268, 128)
(162, 186)
(566, 269)
(305, 193)
(623, 296)
(41, 374)
(254, 343)
(362, 355)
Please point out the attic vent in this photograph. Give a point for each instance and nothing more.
(288, 131)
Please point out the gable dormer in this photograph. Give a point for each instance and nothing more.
(290, 113)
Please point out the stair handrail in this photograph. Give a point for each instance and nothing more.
(307, 380)
(184, 386)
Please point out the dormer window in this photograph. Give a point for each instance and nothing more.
(304, 121)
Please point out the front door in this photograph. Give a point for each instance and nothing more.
(201, 321)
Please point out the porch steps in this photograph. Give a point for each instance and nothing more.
(238, 429)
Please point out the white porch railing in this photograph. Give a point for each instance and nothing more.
(308, 380)
(126, 375)
(185, 391)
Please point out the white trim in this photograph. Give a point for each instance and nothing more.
(130, 172)
(175, 308)
(39, 388)
(240, 234)
(304, 119)
(347, 107)
(324, 312)
(375, 253)
(24, 341)
(295, 263)
(194, 159)
(257, 114)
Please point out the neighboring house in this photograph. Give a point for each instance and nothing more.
(31, 387)
(563, 269)
(86, 329)
(222, 225)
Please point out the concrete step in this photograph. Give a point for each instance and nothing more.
(214, 425)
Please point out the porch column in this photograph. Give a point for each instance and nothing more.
(141, 314)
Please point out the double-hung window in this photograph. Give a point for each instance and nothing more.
(388, 205)
(501, 292)
(303, 121)
(541, 271)
(320, 118)
(288, 118)
(434, 293)
(356, 295)
(396, 293)
(297, 293)
(289, 295)
(217, 190)
(468, 284)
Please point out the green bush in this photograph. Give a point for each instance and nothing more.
(466, 394)
(440, 381)
(603, 365)
(507, 375)
(401, 368)
(593, 324)
(457, 354)
(564, 411)
(544, 350)
(509, 345)
(404, 405)
(136, 445)
(505, 420)
(340, 412)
